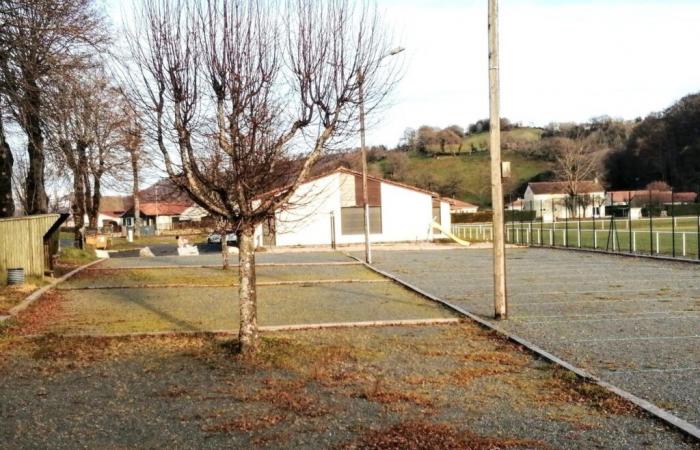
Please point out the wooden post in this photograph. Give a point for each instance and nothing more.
(363, 151)
(499, 246)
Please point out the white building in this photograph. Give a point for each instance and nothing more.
(329, 209)
(551, 200)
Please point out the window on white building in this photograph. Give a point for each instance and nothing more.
(352, 220)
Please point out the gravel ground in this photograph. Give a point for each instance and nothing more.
(451, 386)
(205, 309)
(211, 276)
(616, 317)
(215, 259)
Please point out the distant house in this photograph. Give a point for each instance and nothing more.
(329, 209)
(631, 203)
(551, 200)
(160, 215)
(642, 197)
(460, 206)
(515, 205)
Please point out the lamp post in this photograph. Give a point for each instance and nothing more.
(363, 151)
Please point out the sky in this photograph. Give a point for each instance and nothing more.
(560, 60)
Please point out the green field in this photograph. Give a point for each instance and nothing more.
(660, 240)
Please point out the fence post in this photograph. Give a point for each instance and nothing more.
(629, 218)
(579, 232)
(683, 243)
(595, 238)
(634, 242)
(539, 236)
(657, 242)
(614, 237)
(673, 228)
(651, 227)
(551, 237)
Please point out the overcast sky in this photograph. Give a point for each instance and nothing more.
(561, 60)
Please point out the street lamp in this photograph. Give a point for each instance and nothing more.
(363, 151)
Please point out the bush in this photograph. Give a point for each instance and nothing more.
(691, 209)
(477, 217)
(520, 216)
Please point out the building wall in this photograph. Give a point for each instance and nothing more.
(307, 221)
(553, 206)
(406, 214)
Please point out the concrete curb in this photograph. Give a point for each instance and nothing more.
(617, 253)
(231, 266)
(185, 285)
(34, 296)
(659, 413)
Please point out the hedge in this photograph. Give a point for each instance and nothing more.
(487, 216)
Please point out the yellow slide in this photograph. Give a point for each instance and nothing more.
(447, 233)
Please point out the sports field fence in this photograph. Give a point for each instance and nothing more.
(644, 223)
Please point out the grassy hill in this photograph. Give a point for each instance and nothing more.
(464, 176)
(480, 141)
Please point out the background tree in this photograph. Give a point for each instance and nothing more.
(7, 203)
(664, 146)
(41, 41)
(574, 162)
(243, 98)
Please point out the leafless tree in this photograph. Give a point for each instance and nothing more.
(574, 162)
(84, 127)
(40, 41)
(271, 84)
(132, 143)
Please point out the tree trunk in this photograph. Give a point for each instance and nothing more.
(224, 251)
(7, 204)
(135, 192)
(78, 206)
(94, 211)
(248, 332)
(36, 190)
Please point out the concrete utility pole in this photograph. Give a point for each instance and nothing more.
(499, 245)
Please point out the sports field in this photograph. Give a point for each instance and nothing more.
(663, 236)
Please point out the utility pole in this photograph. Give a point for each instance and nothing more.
(499, 245)
(363, 151)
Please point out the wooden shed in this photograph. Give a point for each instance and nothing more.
(29, 242)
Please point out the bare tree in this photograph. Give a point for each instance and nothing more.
(574, 162)
(41, 39)
(132, 142)
(84, 123)
(270, 85)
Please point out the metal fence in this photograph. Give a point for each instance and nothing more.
(639, 224)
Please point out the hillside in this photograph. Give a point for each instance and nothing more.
(464, 176)
(471, 143)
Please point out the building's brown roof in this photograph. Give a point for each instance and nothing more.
(115, 205)
(656, 196)
(457, 204)
(163, 209)
(562, 187)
